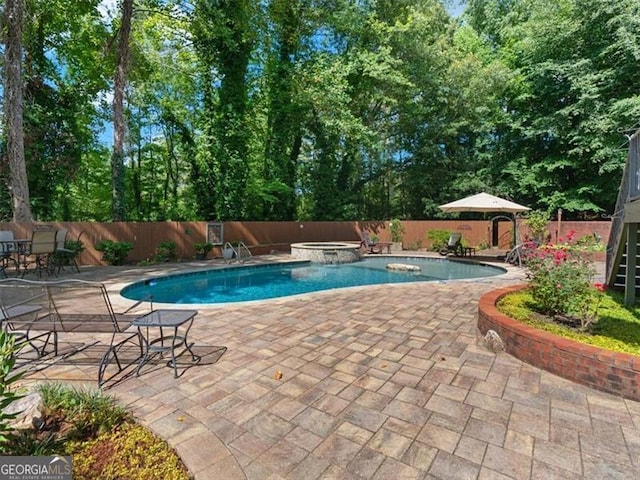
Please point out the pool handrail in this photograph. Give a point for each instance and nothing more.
(238, 252)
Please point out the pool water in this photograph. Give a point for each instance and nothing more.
(246, 283)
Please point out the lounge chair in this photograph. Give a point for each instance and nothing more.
(454, 245)
(372, 247)
(46, 310)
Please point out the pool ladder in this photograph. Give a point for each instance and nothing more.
(240, 254)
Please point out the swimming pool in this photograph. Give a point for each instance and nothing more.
(260, 282)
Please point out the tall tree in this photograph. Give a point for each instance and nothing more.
(291, 27)
(224, 39)
(577, 61)
(13, 91)
(119, 120)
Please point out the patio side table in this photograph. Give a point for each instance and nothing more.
(468, 251)
(167, 342)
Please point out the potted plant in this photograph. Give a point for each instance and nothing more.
(202, 249)
(397, 230)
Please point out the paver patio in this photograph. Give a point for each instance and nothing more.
(383, 382)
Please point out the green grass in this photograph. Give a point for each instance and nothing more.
(617, 327)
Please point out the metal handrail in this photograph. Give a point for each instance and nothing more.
(240, 252)
(243, 248)
(615, 244)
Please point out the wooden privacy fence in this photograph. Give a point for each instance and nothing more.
(265, 237)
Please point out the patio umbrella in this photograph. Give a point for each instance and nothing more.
(483, 202)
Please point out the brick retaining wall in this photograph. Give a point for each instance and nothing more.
(613, 372)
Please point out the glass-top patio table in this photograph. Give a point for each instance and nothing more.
(171, 320)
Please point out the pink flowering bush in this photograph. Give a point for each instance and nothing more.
(560, 280)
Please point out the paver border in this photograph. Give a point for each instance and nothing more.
(612, 372)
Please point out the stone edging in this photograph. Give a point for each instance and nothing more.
(613, 372)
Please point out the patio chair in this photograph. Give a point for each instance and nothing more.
(63, 256)
(7, 251)
(40, 248)
(454, 245)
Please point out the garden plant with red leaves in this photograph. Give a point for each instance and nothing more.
(560, 281)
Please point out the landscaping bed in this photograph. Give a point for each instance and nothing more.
(614, 372)
(102, 438)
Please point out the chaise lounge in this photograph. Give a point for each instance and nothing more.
(454, 245)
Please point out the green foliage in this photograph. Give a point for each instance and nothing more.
(566, 103)
(73, 247)
(537, 222)
(8, 381)
(616, 327)
(590, 243)
(89, 412)
(135, 454)
(66, 63)
(560, 279)
(438, 239)
(166, 252)
(203, 248)
(100, 435)
(114, 253)
(397, 230)
(287, 110)
(28, 442)
(414, 246)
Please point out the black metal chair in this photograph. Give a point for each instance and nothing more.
(63, 256)
(454, 245)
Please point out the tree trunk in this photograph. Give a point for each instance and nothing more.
(120, 83)
(19, 186)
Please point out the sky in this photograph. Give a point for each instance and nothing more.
(108, 8)
(455, 7)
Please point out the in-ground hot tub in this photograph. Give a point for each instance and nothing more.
(326, 252)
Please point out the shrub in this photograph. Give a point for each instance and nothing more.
(130, 452)
(88, 412)
(560, 280)
(617, 327)
(438, 239)
(72, 249)
(166, 252)
(114, 253)
(203, 248)
(8, 379)
(417, 245)
(101, 437)
(537, 222)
